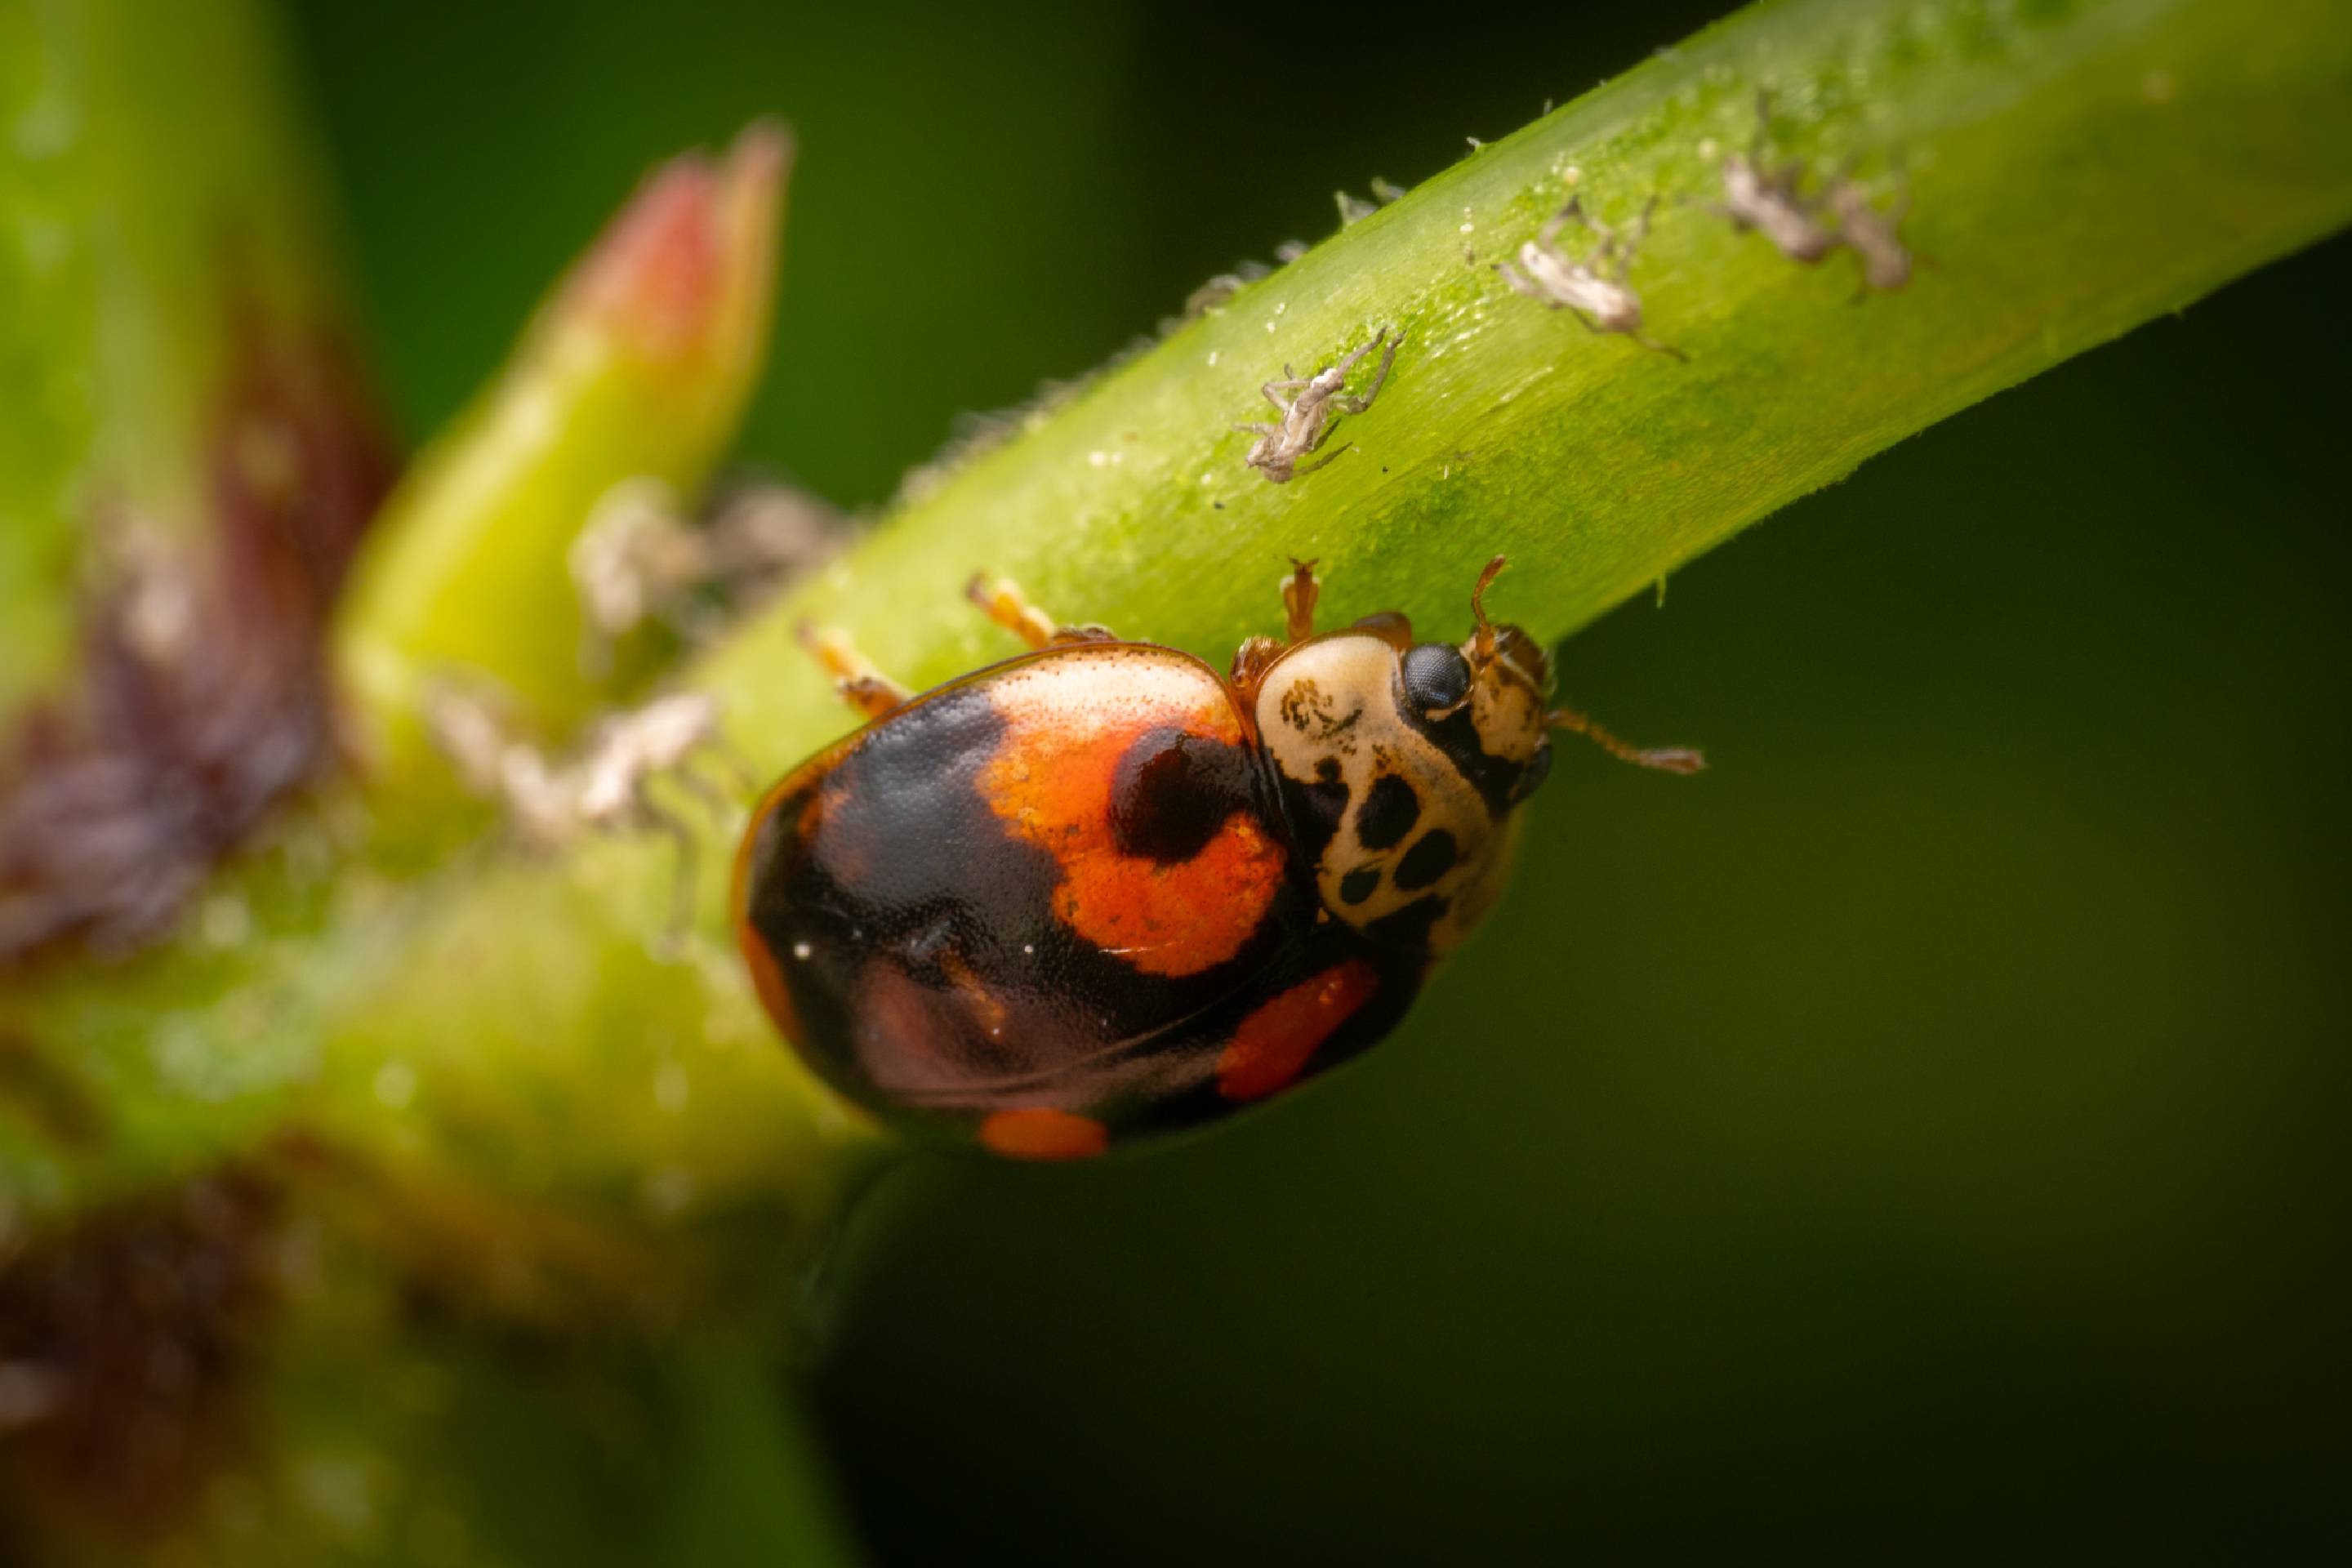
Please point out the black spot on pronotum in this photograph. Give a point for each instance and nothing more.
(1426, 861)
(1314, 808)
(1173, 792)
(1409, 926)
(1539, 769)
(1360, 884)
(1389, 809)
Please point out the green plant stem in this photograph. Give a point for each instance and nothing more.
(2073, 170)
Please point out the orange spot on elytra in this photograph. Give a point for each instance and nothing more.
(1039, 1133)
(1273, 1044)
(1051, 778)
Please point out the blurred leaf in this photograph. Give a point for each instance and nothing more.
(187, 457)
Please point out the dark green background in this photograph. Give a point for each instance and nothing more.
(1920, 1136)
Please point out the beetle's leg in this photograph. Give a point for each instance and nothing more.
(1299, 592)
(1002, 600)
(1665, 759)
(861, 685)
(1654, 346)
(1300, 589)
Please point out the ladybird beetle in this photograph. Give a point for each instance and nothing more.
(1099, 890)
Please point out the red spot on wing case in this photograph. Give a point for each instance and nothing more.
(1043, 1135)
(1273, 1044)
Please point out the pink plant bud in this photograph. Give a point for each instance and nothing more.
(684, 268)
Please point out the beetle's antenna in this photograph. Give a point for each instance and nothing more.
(1665, 759)
(1482, 641)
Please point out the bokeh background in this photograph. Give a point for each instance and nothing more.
(1922, 1136)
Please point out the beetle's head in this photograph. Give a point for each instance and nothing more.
(1400, 764)
(1483, 702)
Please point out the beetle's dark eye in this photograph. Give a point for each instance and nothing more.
(1435, 675)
